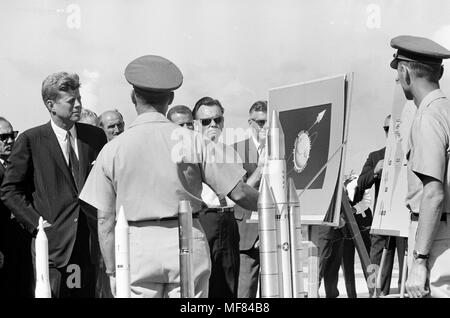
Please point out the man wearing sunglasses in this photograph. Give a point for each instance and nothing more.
(251, 152)
(182, 116)
(218, 220)
(16, 274)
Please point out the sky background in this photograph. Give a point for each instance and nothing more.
(233, 50)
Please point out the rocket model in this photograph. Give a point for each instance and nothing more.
(276, 172)
(122, 248)
(268, 252)
(186, 244)
(295, 235)
(42, 273)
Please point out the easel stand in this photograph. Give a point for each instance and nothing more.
(311, 234)
(377, 290)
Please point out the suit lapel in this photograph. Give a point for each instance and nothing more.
(55, 149)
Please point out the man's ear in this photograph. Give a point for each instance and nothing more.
(442, 72)
(49, 104)
(406, 73)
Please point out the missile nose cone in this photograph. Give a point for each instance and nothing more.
(265, 198)
(292, 194)
(41, 224)
(275, 137)
(121, 219)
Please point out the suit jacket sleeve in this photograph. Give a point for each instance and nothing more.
(15, 190)
(366, 179)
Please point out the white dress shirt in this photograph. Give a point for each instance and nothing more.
(61, 136)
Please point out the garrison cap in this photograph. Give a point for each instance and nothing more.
(153, 74)
(417, 49)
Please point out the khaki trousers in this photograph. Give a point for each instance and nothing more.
(155, 264)
(439, 261)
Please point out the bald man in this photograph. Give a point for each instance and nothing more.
(111, 121)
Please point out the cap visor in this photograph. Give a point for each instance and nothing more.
(394, 64)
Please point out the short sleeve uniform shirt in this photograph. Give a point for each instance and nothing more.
(153, 165)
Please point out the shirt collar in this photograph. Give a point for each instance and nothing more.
(431, 97)
(149, 117)
(62, 133)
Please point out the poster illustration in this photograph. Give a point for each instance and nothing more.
(313, 116)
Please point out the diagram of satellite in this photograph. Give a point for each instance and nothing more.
(303, 144)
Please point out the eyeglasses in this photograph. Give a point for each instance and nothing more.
(218, 120)
(386, 129)
(260, 122)
(189, 125)
(12, 135)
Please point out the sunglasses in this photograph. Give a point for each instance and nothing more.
(260, 122)
(189, 125)
(217, 120)
(386, 129)
(12, 135)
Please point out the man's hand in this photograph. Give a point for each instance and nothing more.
(379, 167)
(112, 283)
(46, 224)
(255, 177)
(2, 259)
(417, 279)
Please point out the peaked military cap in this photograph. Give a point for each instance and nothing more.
(153, 74)
(417, 49)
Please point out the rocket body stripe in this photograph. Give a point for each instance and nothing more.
(270, 286)
(295, 235)
(185, 249)
(122, 251)
(277, 181)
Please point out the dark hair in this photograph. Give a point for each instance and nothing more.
(154, 99)
(179, 109)
(259, 106)
(432, 72)
(206, 101)
(58, 82)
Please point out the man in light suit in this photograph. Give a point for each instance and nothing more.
(251, 152)
(49, 165)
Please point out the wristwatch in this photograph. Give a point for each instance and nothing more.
(110, 273)
(416, 255)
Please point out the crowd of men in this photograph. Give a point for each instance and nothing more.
(78, 169)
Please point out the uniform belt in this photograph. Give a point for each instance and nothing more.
(415, 217)
(170, 218)
(220, 210)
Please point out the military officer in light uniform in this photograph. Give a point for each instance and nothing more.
(418, 62)
(148, 169)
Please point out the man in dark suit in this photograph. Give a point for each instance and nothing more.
(337, 248)
(250, 151)
(16, 273)
(370, 175)
(49, 165)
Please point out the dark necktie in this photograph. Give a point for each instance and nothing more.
(74, 164)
